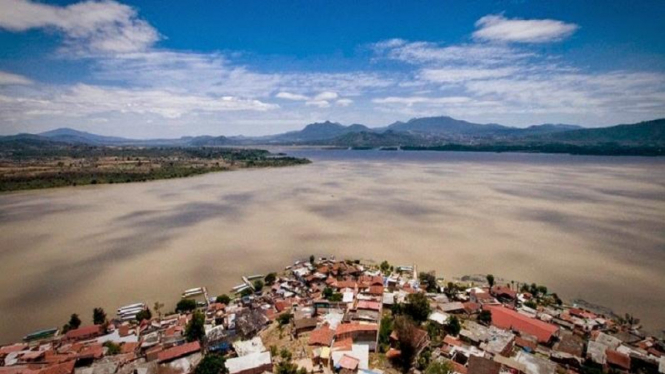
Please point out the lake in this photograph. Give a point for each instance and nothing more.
(586, 227)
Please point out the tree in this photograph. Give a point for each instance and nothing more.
(384, 333)
(336, 297)
(490, 281)
(439, 367)
(145, 314)
(98, 316)
(112, 348)
(195, 329)
(417, 307)
(385, 267)
(258, 285)
(270, 278)
(531, 304)
(327, 292)
(485, 317)
(406, 338)
(185, 305)
(285, 354)
(212, 363)
(542, 290)
(311, 259)
(246, 292)
(73, 324)
(429, 279)
(224, 299)
(453, 327)
(451, 289)
(284, 318)
(158, 309)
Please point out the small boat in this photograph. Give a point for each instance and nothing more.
(131, 306)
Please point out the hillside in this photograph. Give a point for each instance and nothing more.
(649, 132)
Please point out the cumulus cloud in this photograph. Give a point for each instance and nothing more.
(500, 28)
(291, 96)
(89, 26)
(344, 102)
(453, 75)
(13, 79)
(81, 100)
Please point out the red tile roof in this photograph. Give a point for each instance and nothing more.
(348, 362)
(84, 332)
(12, 348)
(618, 359)
(450, 340)
(322, 336)
(372, 305)
(508, 319)
(179, 351)
(504, 291)
(375, 290)
(64, 368)
(355, 327)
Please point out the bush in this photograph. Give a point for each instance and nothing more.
(185, 305)
(212, 363)
(195, 329)
(112, 348)
(284, 318)
(224, 299)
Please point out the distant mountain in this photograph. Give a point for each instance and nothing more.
(648, 132)
(444, 126)
(67, 135)
(319, 131)
(417, 132)
(387, 138)
(207, 141)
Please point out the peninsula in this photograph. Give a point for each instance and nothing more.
(322, 315)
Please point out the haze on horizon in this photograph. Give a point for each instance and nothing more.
(145, 70)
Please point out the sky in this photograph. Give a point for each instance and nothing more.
(146, 69)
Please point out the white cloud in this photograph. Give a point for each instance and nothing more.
(344, 102)
(290, 96)
(453, 75)
(13, 79)
(411, 100)
(432, 53)
(326, 95)
(82, 100)
(318, 103)
(500, 28)
(89, 26)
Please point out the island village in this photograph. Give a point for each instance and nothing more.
(322, 315)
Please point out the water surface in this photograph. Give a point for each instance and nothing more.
(587, 227)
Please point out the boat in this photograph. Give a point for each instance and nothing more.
(131, 306)
(41, 334)
(192, 292)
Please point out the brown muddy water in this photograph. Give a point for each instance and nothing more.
(586, 227)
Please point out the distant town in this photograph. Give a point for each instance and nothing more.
(322, 315)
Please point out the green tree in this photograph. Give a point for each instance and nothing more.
(385, 267)
(246, 292)
(428, 279)
(417, 307)
(112, 348)
(453, 327)
(439, 367)
(145, 314)
(98, 316)
(490, 280)
(485, 317)
(74, 322)
(311, 259)
(336, 297)
(284, 318)
(270, 278)
(406, 331)
(258, 285)
(224, 299)
(531, 304)
(212, 363)
(542, 290)
(327, 292)
(185, 305)
(384, 333)
(195, 329)
(285, 354)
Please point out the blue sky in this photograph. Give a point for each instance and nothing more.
(157, 68)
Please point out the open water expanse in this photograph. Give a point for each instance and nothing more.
(586, 227)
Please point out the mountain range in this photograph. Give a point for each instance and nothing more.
(427, 131)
